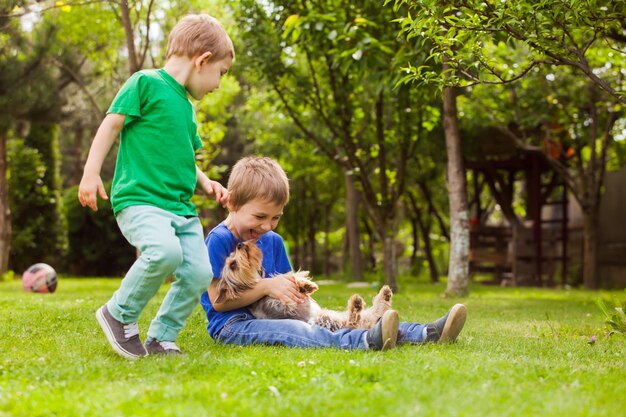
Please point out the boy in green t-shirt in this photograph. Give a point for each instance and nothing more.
(155, 177)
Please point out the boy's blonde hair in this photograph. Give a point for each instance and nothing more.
(199, 33)
(259, 177)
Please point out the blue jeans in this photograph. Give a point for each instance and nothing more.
(169, 244)
(244, 329)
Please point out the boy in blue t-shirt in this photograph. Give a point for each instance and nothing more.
(258, 191)
(155, 177)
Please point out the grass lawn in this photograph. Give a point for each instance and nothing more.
(523, 352)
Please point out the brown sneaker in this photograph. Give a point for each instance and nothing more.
(447, 328)
(124, 338)
(384, 334)
(156, 347)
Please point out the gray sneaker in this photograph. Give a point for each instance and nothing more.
(447, 328)
(124, 338)
(384, 334)
(156, 347)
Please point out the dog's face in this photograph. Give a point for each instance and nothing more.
(242, 270)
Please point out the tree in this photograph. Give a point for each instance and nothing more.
(552, 32)
(334, 71)
(312, 216)
(38, 63)
(458, 269)
(587, 36)
(562, 113)
(25, 85)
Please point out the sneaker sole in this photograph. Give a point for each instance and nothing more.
(454, 324)
(162, 352)
(390, 323)
(111, 339)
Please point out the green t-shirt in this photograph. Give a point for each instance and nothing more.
(156, 159)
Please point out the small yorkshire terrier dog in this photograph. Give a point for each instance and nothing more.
(243, 269)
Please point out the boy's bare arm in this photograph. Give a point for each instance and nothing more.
(281, 287)
(211, 187)
(91, 184)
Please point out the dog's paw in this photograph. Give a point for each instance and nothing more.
(304, 283)
(385, 293)
(355, 307)
(356, 303)
(307, 287)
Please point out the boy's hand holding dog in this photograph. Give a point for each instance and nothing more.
(283, 288)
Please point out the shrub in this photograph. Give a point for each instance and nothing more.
(37, 217)
(96, 245)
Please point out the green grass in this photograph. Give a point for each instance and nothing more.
(523, 352)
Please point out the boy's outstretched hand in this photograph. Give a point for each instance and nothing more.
(218, 190)
(90, 187)
(212, 187)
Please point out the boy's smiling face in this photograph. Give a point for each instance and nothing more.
(253, 219)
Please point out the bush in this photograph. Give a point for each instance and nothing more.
(36, 213)
(96, 245)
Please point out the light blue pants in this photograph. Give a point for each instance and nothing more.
(243, 329)
(169, 244)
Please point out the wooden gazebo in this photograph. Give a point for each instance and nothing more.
(525, 249)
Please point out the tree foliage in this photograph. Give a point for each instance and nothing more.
(96, 246)
(491, 42)
(38, 219)
(483, 39)
(30, 107)
(334, 69)
(321, 87)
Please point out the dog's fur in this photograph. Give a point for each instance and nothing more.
(243, 269)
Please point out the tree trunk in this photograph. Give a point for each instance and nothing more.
(311, 243)
(417, 221)
(296, 251)
(312, 255)
(327, 251)
(428, 250)
(432, 210)
(386, 231)
(458, 270)
(371, 238)
(590, 248)
(352, 230)
(5, 212)
(133, 62)
(77, 151)
(416, 243)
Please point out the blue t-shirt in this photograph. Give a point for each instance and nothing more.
(220, 243)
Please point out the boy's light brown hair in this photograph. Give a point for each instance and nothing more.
(196, 34)
(259, 177)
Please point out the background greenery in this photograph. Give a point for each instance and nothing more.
(523, 352)
(345, 94)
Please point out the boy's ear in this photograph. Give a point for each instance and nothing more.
(203, 58)
(230, 206)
